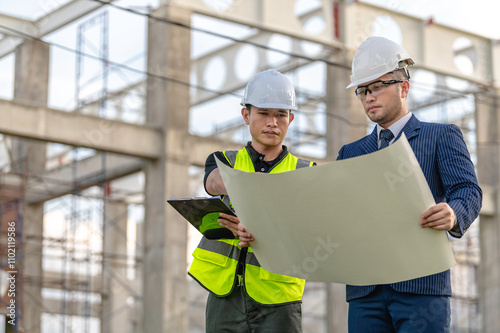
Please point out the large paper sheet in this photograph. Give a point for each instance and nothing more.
(354, 221)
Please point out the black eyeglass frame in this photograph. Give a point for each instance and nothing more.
(385, 83)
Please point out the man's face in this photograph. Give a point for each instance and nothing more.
(388, 104)
(268, 127)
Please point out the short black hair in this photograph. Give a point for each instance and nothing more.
(401, 74)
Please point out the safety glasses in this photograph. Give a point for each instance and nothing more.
(374, 88)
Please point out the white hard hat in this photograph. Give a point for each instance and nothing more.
(375, 57)
(270, 89)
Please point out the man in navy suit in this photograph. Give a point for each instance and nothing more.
(379, 72)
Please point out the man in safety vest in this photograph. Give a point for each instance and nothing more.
(243, 296)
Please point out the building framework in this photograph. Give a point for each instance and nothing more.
(98, 249)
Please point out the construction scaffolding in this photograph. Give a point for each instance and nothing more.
(96, 248)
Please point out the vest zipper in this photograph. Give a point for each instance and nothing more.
(240, 268)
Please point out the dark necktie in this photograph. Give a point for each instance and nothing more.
(385, 136)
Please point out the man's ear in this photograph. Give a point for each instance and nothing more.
(246, 114)
(291, 117)
(405, 88)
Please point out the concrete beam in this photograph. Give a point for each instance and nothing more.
(59, 17)
(50, 125)
(89, 172)
(229, 54)
(17, 24)
(8, 44)
(263, 17)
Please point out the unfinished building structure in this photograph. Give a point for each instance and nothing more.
(86, 182)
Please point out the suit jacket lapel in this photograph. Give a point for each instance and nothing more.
(411, 128)
(369, 145)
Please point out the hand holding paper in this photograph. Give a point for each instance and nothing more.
(233, 223)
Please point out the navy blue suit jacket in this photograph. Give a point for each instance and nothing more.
(449, 171)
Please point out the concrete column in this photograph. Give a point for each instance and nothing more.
(31, 86)
(115, 317)
(336, 308)
(346, 120)
(165, 299)
(488, 169)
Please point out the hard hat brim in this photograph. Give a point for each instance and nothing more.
(366, 79)
(272, 106)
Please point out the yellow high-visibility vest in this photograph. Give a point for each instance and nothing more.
(215, 261)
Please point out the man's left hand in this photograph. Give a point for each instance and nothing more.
(438, 217)
(233, 223)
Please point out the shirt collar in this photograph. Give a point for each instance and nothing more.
(395, 128)
(254, 155)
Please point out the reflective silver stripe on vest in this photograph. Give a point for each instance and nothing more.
(303, 163)
(252, 259)
(223, 248)
(231, 156)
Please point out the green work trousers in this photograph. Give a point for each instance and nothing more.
(238, 313)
